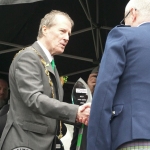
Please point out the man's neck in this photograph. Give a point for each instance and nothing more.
(47, 53)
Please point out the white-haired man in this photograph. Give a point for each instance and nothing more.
(119, 117)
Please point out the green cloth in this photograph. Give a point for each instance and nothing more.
(53, 64)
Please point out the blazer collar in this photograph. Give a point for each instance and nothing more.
(144, 23)
(36, 46)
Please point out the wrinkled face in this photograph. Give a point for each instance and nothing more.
(57, 36)
(3, 90)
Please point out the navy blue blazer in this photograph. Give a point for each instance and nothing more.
(120, 109)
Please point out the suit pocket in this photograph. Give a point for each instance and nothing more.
(35, 127)
(116, 110)
(5, 133)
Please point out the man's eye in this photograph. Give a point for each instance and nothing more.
(63, 31)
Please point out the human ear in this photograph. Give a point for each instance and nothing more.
(44, 30)
(133, 15)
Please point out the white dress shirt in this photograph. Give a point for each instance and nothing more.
(47, 53)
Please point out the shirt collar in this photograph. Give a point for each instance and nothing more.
(47, 53)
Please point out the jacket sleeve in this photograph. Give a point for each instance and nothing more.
(30, 80)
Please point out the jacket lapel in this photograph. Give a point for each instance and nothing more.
(60, 89)
(50, 69)
(41, 52)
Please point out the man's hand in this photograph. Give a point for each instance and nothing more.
(92, 81)
(83, 113)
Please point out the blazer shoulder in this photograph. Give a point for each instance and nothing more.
(121, 30)
(26, 52)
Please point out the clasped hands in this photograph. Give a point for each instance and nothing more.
(83, 113)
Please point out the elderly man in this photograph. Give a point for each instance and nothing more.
(36, 92)
(3, 93)
(120, 108)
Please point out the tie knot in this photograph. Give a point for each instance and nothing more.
(53, 64)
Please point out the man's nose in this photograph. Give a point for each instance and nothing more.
(2, 91)
(66, 37)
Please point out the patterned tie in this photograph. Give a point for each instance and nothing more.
(53, 64)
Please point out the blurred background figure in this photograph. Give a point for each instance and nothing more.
(3, 92)
(4, 107)
(91, 82)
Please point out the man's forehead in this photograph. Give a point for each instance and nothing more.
(61, 19)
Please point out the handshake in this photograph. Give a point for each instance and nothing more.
(83, 113)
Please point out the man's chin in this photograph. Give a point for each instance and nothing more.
(62, 49)
(1, 99)
(60, 52)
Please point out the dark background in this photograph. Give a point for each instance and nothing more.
(19, 27)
